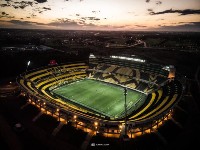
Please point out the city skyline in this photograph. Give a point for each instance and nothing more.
(119, 15)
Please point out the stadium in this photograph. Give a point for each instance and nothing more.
(108, 95)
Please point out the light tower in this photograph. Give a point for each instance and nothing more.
(125, 93)
(28, 63)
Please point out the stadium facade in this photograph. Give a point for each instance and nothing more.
(91, 95)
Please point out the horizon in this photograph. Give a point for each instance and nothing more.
(88, 30)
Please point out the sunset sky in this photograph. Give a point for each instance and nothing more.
(130, 15)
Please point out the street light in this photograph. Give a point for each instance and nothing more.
(58, 111)
(120, 128)
(75, 120)
(96, 125)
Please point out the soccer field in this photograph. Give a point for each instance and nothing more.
(101, 97)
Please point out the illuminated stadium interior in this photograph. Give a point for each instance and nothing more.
(100, 97)
(92, 94)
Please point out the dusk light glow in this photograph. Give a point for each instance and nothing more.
(120, 15)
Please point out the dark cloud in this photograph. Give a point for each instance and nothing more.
(158, 2)
(111, 27)
(22, 7)
(150, 10)
(27, 3)
(95, 12)
(189, 26)
(90, 18)
(68, 23)
(141, 26)
(119, 27)
(41, 1)
(17, 5)
(4, 5)
(25, 23)
(46, 8)
(16, 23)
(5, 15)
(77, 14)
(41, 9)
(31, 4)
(147, 1)
(33, 15)
(63, 22)
(19, 22)
(181, 12)
(83, 18)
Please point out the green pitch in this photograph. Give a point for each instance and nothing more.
(103, 98)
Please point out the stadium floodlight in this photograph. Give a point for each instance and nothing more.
(125, 93)
(28, 63)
